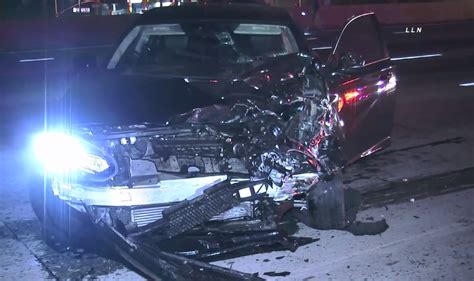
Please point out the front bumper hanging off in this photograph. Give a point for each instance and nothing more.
(160, 265)
(144, 248)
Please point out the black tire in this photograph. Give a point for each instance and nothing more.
(63, 226)
(326, 204)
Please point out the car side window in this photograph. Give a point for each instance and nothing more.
(361, 37)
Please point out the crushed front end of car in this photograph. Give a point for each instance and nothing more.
(196, 143)
(213, 182)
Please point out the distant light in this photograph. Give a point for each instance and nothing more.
(83, 10)
(417, 57)
(470, 84)
(303, 13)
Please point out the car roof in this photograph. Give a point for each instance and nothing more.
(216, 12)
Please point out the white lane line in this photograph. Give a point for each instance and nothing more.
(35, 60)
(322, 48)
(470, 84)
(417, 57)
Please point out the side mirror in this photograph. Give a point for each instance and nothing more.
(84, 62)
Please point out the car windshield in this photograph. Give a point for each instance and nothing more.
(189, 45)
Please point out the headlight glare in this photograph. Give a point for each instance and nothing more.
(61, 153)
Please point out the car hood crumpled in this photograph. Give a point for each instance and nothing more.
(112, 98)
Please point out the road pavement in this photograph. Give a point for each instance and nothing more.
(430, 239)
(427, 239)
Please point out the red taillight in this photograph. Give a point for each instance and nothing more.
(351, 96)
(340, 104)
(347, 98)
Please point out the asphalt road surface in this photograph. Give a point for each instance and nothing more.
(431, 234)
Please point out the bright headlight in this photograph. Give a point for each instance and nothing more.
(61, 153)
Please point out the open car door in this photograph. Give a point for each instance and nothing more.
(361, 74)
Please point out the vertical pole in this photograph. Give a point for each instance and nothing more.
(56, 12)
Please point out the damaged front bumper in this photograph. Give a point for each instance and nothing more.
(160, 265)
(156, 248)
(164, 192)
(145, 203)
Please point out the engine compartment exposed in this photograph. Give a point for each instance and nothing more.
(272, 153)
(294, 134)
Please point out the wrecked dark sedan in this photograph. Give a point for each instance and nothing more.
(207, 126)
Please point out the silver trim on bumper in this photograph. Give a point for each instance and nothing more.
(167, 191)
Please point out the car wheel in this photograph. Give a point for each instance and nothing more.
(326, 206)
(63, 226)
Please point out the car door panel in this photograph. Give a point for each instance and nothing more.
(365, 90)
